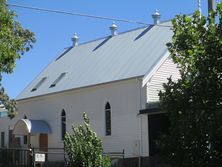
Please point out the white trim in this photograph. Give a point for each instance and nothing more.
(149, 75)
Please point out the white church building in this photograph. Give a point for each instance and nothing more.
(115, 80)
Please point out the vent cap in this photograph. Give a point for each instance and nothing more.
(156, 17)
(113, 28)
(75, 40)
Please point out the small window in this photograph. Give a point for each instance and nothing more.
(38, 84)
(108, 119)
(63, 124)
(10, 138)
(25, 139)
(57, 80)
(2, 139)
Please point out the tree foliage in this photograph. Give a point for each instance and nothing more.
(84, 148)
(14, 42)
(194, 102)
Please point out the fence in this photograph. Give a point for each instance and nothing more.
(56, 157)
(49, 157)
(115, 155)
(18, 157)
(14, 157)
(117, 158)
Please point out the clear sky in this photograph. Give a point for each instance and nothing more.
(54, 31)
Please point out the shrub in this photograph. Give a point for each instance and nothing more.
(84, 148)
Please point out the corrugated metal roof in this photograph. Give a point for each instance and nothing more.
(127, 55)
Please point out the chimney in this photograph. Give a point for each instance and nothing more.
(156, 17)
(75, 40)
(113, 29)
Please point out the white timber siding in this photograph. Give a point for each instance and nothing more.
(7, 124)
(126, 99)
(155, 84)
(4, 127)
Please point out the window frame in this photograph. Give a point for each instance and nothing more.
(2, 139)
(25, 139)
(63, 124)
(108, 119)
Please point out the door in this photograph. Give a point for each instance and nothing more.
(43, 142)
(157, 124)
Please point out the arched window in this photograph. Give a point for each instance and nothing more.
(108, 119)
(63, 124)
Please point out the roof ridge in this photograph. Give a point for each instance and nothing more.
(121, 33)
(127, 31)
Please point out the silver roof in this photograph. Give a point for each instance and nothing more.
(26, 126)
(127, 55)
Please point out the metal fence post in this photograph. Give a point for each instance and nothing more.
(31, 157)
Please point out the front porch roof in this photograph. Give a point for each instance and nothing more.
(28, 126)
(152, 108)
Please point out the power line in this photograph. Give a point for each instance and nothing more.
(77, 14)
(83, 15)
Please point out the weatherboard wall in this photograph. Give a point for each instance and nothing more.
(155, 84)
(4, 127)
(125, 98)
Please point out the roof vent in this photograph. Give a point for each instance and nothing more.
(75, 40)
(156, 17)
(113, 29)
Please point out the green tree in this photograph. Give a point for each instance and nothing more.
(84, 148)
(194, 102)
(14, 42)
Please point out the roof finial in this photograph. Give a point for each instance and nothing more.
(156, 17)
(113, 29)
(75, 40)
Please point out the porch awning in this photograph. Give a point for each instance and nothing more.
(28, 126)
(151, 108)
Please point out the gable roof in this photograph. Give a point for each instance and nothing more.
(127, 55)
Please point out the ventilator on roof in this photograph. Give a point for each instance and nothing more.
(113, 29)
(156, 17)
(75, 40)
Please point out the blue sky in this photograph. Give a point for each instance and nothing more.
(54, 31)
